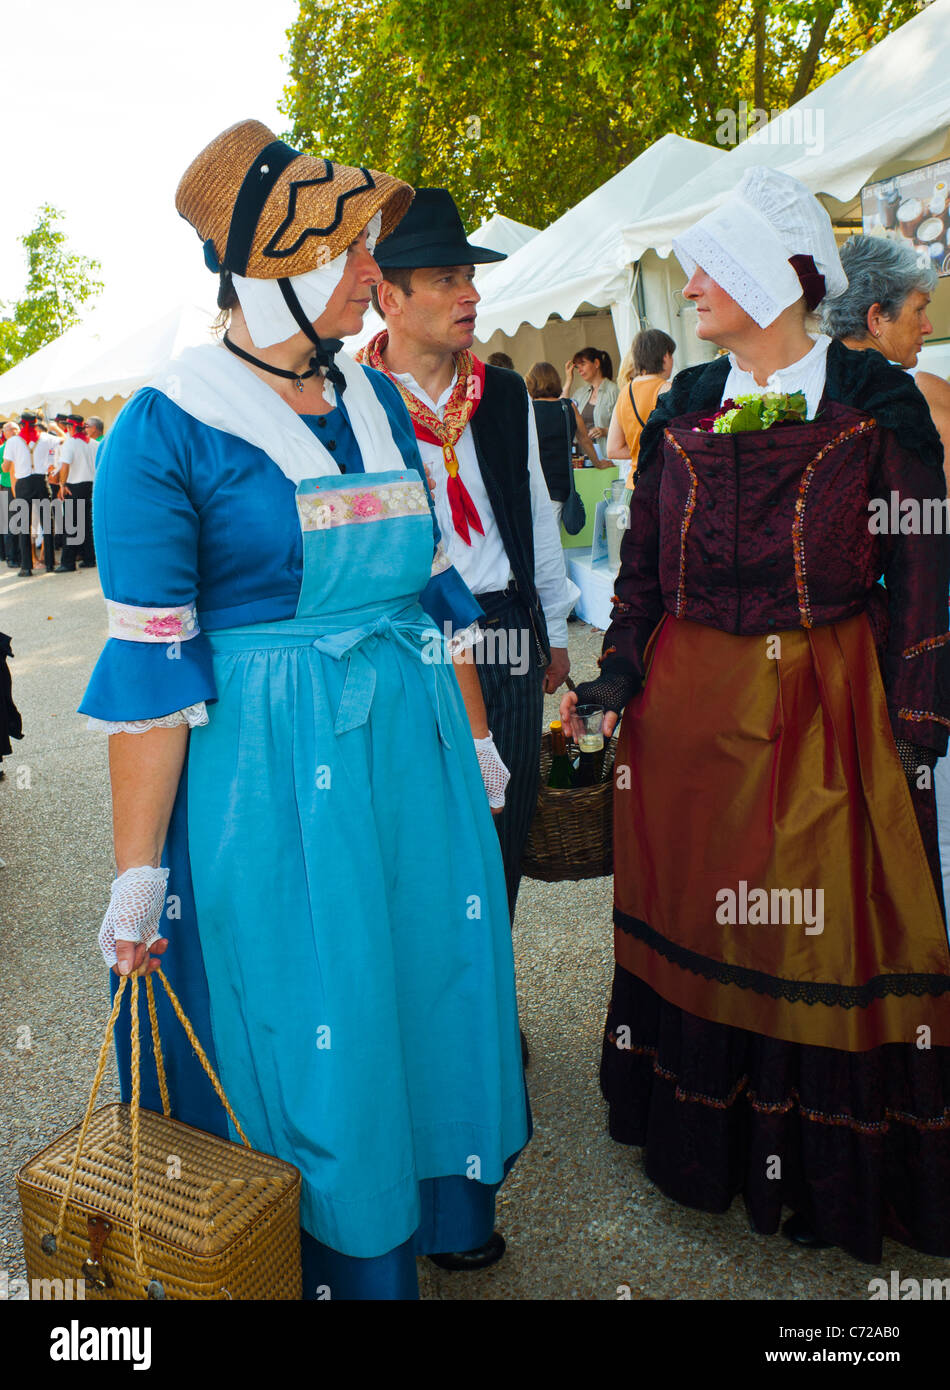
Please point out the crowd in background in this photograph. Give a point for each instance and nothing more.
(45, 462)
(50, 465)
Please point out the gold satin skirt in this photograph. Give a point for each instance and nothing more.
(769, 870)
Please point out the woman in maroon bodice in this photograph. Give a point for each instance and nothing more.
(780, 1017)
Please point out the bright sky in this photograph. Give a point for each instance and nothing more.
(104, 106)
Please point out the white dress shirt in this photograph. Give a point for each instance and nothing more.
(46, 454)
(18, 458)
(484, 564)
(77, 454)
(807, 374)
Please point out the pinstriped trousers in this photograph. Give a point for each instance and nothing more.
(514, 701)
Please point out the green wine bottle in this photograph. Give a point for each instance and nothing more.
(561, 776)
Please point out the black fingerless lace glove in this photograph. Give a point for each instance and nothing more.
(611, 692)
(913, 757)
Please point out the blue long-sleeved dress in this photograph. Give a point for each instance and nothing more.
(336, 904)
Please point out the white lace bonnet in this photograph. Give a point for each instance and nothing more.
(745, 243)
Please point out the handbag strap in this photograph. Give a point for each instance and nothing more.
(135, 1106)
(634, 404)
(568, 422)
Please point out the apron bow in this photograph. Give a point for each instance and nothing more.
(359, 686)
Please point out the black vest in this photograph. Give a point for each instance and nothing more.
(500, 433)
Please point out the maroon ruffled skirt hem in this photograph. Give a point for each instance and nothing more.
(857, 1143)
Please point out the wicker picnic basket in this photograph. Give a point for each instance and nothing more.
(572, 833)
(138, 1205)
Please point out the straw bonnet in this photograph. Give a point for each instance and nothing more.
(265, 211)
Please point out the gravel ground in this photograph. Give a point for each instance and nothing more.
(579, 1215)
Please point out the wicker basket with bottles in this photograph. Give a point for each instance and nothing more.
(572, 833)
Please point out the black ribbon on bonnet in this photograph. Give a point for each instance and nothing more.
(322, 359)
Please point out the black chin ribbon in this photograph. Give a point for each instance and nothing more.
(326, 348)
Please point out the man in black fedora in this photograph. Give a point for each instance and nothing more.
(475, 428)
(476, 432)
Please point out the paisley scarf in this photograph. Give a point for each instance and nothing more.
(461, 406)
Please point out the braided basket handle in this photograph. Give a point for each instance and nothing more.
(135, 1106)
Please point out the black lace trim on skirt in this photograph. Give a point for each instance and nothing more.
(796, 991)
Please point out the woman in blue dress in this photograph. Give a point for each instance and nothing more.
(299, 810)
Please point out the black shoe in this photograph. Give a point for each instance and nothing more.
(12, 564)
(488, 1254)
(25, 574)
(64, 569)
(797, 1229)
(525, 1054)
(88, 565)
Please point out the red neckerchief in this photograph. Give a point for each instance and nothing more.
(28, 432)
(77, 431)
(461, 406)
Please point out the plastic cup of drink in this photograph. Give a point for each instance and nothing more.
(588, 728)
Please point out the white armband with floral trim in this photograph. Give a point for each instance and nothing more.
(168, 624)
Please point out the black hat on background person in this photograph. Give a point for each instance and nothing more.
(431, 234)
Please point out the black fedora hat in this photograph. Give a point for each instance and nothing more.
(431, 234)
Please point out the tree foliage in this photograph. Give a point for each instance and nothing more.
(59, 282)
(526, 106)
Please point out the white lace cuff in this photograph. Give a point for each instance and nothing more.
(463, 639)
(194, 716)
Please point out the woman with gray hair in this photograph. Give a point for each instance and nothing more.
(885, 307)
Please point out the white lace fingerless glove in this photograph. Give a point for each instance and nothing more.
(495, 775)
(135, 907)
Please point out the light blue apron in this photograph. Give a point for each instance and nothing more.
(348, 883)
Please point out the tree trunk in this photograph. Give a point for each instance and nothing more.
(806, 69)
(758, 23)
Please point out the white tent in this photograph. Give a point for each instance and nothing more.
(35, 380)
(97, 361)
(890, 107)
(884, 114)
(109, 356)
(580, 258)
(502, 233)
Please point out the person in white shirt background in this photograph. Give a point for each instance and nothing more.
(46, 454)
(9, 545)
(27, 458)
(76, 473)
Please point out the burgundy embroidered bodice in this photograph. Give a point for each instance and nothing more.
(758, 532)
